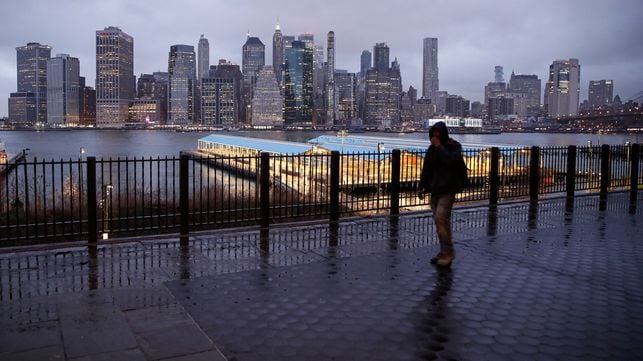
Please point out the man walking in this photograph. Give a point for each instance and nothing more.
(442, 177)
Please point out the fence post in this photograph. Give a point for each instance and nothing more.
(264, 189)
(334, 186)
(494, 176)
(92, 220)
(605, 170)
(571, 171)
(395, 181)
(634, 172)
(534, 173)
(184, 195)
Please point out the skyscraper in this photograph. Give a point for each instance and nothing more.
(32, 76)
(87, 104)
(600, 93)
(383, 86)
(298, 82)
(331, 101)
(366, 62)
(181, 84)
(278, 55)
(430, 71)
(115, 81)
(267, 101)
(254, 57)
(530, 86)
(345, 88)
(63, 85)
(204, 58)
(563, 88)
(381, 57)
(221, 95)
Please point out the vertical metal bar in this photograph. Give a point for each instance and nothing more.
(264, 191)
(44, 197)
(92, 229)
(605, 170)
(183, 197)
(395, 181)
(334, 185)
(26, 178)
(571, 171)
(35, 197)
(494, 176)
(534, 173)
(634, 172)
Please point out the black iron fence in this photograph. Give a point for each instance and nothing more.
(71, 200)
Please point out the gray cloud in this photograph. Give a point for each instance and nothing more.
(473, 35)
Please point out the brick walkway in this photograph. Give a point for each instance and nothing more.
(529, 283)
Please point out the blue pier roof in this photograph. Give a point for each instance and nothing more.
(260, 145)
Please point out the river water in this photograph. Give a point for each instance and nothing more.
(151, 143)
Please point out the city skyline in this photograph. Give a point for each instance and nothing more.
(524, 37)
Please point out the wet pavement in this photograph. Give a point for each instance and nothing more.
(530, 282)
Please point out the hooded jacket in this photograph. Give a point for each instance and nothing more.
(439, 171)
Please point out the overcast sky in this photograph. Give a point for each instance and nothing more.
(474, 35)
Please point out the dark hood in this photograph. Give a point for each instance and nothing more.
(444, 133)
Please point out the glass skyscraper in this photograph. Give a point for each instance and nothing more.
(430, 71)
(63, 90)
(563, 88)
(181, 84)
(298, 83)
(32, 76)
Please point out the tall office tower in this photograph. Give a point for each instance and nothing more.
(381, 57)
(278, 55)
(308, 39)
(430, 71)
(160, 93)
(346, 101)
(331, 96)
(383, 86)
(115, 81)
(32, 76)
(298, 81)
(563, 88)
(63, 84)
(221, 95)
(181, 84)
(267, 101)
(527, 87)
(204, 58)
(600, 93)
(499, 76)
(413, 95)
(87, 103)
(366, 62)
(318, 56)
(254, 57)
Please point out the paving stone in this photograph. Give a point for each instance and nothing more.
(173, 341)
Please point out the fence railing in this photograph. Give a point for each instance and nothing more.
(71, 200)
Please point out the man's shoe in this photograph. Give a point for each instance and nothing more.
(445, 260)
(435, 258)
